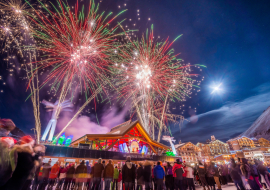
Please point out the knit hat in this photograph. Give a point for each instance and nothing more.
(27, 140)
(9, 141)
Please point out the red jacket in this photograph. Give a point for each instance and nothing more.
(185, 172)
(54, 171)
(120, 177)
(175, 167)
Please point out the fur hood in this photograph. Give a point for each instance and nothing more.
(129, 165)
(24, 148)
(147, 163)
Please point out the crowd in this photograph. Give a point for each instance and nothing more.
(22, 167)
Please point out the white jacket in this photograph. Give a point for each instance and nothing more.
(190, 172)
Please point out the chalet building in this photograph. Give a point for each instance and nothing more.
(241, 143)
(189, 152)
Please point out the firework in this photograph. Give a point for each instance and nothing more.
(150, 74)
(76, 46)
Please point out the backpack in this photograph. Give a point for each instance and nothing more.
(169, 171)
(252, 169)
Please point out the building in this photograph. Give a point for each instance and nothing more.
(258, 153)
(263, 142)
(127, 139)
(189, 152)
(240, 143)
(212, 148)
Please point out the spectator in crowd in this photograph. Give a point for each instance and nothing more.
(169, 177)
(139, 174)
(263, 172)
(216, 176)
(190, 177)
(159, 176)
(178, 175)
(235, 174)
(248, 173)
(115, 178)
(25, 163)
(6, 125)
(97, 172)
(256, 173)
(80, 175)
(8, 159)
(70, 175)
(119, 180)
(128, 174)
(147, 175)
(88, 176)
(108, 175)
(62, 176)
(202, 172)
(45, 175)
(210, 175)
(53, 175)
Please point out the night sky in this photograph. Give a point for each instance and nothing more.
(231, 38)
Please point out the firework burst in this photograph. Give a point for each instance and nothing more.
(76, 46)
(150, 74)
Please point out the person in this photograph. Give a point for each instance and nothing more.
(70, 175)
(184, 181)
(45, 175)
(248, 173)
(147, 175)
(128, 174)
(25, 164)
(216, 176)
(62, 176)
(190, 177)
(88, 176)
(169, 177)
(178, 174)
(53, 175)
(8, 159)
(80, 175)
(115, 178)
(263, 172)
(202, 172)
(256, 173)
(40, 152)
(234, 171)
(210, 175)
(97, 172)
(153, 179)
(108, 175)
(159, 175)
(119, 180)
(140, 178)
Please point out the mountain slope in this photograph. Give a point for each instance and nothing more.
(261, 127)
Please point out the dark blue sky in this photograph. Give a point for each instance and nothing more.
(230, 37)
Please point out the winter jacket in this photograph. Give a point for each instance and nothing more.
(46, 170)
(115, 173)
(169, 170)
(235, 172)
(245, 170)
(129, 172)
(201, 170)
(108, 171)
(224, 170)
(210, 171)
(54, 171)
(97, 170)
(190, 172)
(70, 173)
(262, 169)
(120, 177)
(185, 172)
(159, 172)
(147, 173)
(140, 178)
(81, 172)
(216, 174)
(63, 173)
(178, 171)
(25, 164)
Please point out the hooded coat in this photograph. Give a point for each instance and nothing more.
(128, 172)
(54, 171)
(115, 173)
(178, 171)
(97, 170)
(81, 172)
(159, 172)
(25, 164)
(140, 178)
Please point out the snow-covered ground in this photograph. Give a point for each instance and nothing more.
(230, 186)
